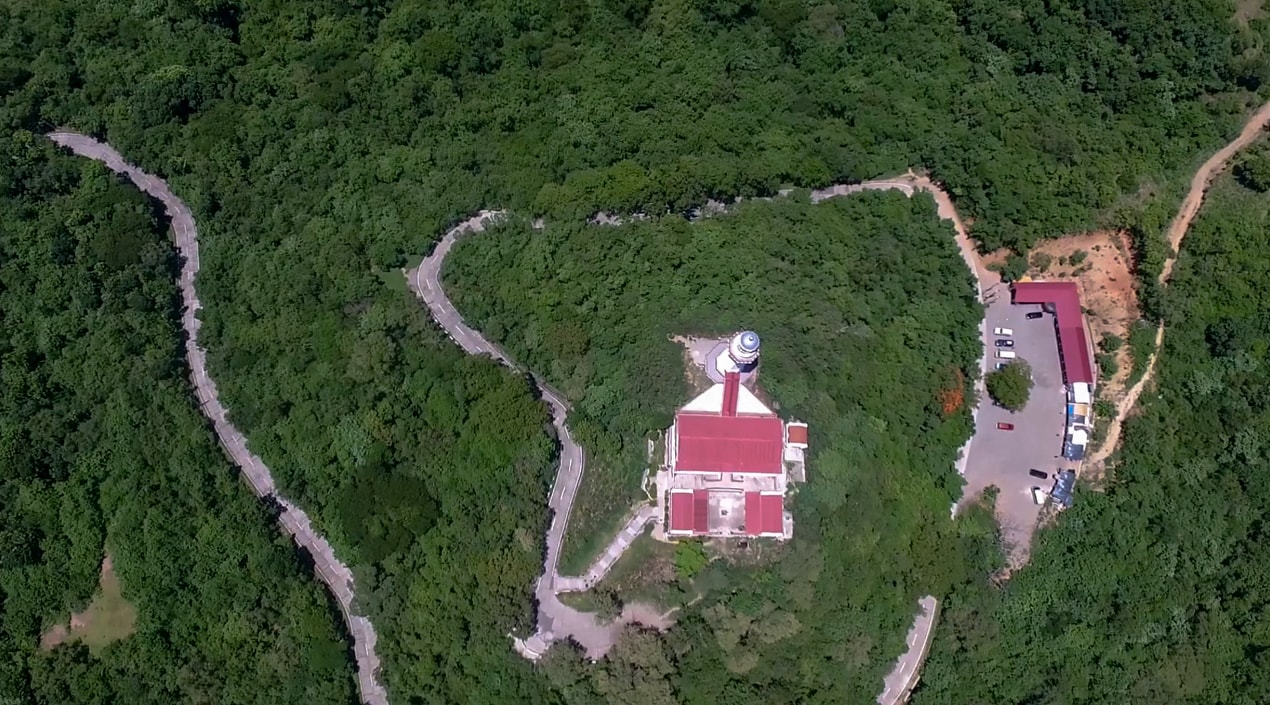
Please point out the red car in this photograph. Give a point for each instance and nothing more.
(1005, 426)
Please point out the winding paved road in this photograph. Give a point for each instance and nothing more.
(556, 620)
(336, 576)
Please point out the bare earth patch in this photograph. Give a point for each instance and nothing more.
(695, 352)
(1107, 288)
(107, 619)
(1248, 10)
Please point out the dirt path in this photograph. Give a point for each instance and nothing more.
(1177, 232)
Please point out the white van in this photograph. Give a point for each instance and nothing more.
(1006, 332)
(1006, 354)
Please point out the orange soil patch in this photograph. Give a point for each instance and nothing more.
(1108, 289)
(952, 397)
(996, 258)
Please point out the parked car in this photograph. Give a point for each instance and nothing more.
(1005, 426)
(1006, 354)
(1002, 331)
(1034, 315)
(1041, 474)
(1005, 343)
(1001, 365)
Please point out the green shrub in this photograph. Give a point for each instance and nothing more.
(690, 558)
(1110, 343)
(1011, 385)
(1104, 409)
(1107, 365)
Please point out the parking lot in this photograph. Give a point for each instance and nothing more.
(1003, 458)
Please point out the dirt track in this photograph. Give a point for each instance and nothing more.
(1177, 232)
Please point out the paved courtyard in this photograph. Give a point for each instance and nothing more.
(1003, 458)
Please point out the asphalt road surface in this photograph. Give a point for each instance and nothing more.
(1002, 458)
(337, 577)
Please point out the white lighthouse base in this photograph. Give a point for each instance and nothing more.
(718, 362)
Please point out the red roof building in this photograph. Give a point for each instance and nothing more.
(1073, 344)
(764, 514)
(733, 444)
(681, 512)
(727, 460)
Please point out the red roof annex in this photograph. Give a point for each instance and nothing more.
(764, 513)
(1073, 346)
(733, 444)
(681, 511)
(690, 511)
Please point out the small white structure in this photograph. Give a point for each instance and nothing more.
(742, 353)
(1081, 393)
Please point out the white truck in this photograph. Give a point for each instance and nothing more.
(1003, 332)
(1006, 354)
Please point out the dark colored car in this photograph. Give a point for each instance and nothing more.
(1038, 473)
(1034, 315)
(1005, 426)
(1005, 343)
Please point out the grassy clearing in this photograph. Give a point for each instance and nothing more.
(107, 619)
(605, 498)
(645, 573)
(394, 279)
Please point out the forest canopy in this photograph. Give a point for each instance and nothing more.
(323, 144)
(103, 450)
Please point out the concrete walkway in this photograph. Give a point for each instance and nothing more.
(556, 620)
(633, 529)
(337, 577)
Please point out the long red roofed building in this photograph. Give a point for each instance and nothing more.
(1073, 345)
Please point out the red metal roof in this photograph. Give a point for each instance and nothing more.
(681, 511)
(747, 444)
(731, 392)
(701, 511)
(764, 513)
(797, 434)
(1073, 346)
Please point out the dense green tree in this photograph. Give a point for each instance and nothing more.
(1011, 385)
(1253, 169)
(863, 304)
(105, 450)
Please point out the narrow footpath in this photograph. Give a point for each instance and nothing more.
(337, 577)
(1181, 224)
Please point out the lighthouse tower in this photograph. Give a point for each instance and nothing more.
(741, 354)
